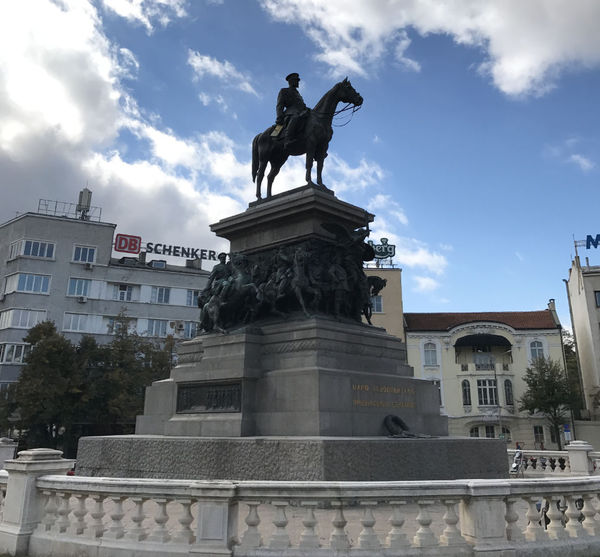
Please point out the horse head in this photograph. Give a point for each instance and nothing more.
(347, 93)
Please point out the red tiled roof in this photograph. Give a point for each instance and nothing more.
(446, 321)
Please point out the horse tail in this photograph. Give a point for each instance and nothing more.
(255, 160)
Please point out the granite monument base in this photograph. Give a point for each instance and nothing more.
(303, 376)
(292, 458)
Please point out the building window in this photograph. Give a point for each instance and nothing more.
(157, 327)
(25, 282)
(123, 292)
(538, 434)
(537, 350)
(506, 433)
(113, 325)
(192, 298)
(84, 254)
(487, 392)
(31, 248)
(13, 353)
(474, 431)
(430, 352)
(508, 392)
(377, 304)
(490, 431)
(466, 392)
(597, 296)
(160, 295)
(21, 318)
(75, 322)
(189, 329)
(79, 287)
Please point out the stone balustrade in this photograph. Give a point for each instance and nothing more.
(46, 513)
(578, 459)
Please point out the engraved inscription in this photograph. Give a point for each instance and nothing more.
(379, 396)
(209, 397)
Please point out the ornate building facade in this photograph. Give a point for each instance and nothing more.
(478, 361)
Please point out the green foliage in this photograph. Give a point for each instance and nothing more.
(66, 390)
(549, 392)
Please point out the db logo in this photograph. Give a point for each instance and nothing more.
(127, 243)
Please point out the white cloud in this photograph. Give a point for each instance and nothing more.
(384, 203)
(519, 256)
(526, 45)
(148, 12)
(343, 177)
(582, 162)
(224, 71)
(425, 284)
(62, 111)
(566, 153)
(207, 99)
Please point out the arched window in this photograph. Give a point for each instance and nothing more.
(508, 392)
(466, 392)
(474, 432)
(537, 350)
(430, 354)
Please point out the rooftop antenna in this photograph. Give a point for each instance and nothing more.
(84, 203)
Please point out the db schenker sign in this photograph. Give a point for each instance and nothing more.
(126, 243)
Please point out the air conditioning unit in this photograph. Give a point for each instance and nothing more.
(89, 266)
(82, 299)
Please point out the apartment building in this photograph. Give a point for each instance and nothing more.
(61, 268)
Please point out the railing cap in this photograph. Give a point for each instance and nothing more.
(579, 446)
(39, 454)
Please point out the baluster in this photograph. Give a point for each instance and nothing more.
(280, 538)
(63, 511)
(137, 532)
(309, 537)
(424, 536)
(534, 531)
(513, 532)
(185, 534)
(556, 529)
(574, 527)
(78, 525)
(451, 535)
(252, 538)
(50, 509)
(160, 533)
(590, 524)
(396, 538)
(115, 530)
(96, 528)
(339, 538)
(367, 538)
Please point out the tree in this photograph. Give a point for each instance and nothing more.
(549, 393)
(573, 372)
(67, 390)
(119, 376)
(48, 395)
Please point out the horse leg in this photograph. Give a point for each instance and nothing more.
(270, 177)
(309, 165)
(259, 177)
(320, 172)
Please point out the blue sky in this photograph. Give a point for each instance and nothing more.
(477, 146)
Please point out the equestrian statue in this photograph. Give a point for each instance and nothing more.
(299, 130)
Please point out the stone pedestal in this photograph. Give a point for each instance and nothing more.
(313, 376)
(300, 396)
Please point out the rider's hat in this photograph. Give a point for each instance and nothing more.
(292, 75)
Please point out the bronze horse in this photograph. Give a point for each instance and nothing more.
(314, 140)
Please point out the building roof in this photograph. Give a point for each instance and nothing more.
(446, 321)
